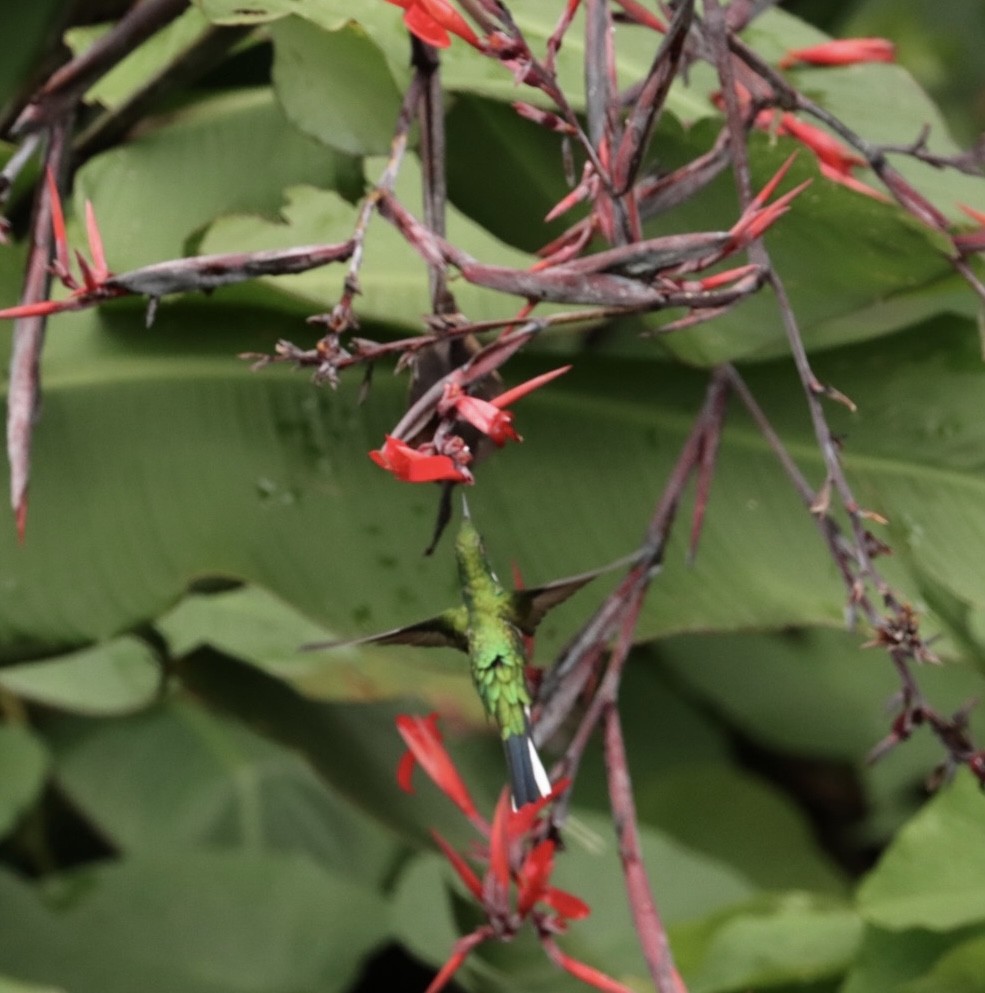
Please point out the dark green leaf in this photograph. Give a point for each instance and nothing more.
(789, 938)
(180, 776)
(192, 923)
(23, 769)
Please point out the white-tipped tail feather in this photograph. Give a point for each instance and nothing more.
(528, 777)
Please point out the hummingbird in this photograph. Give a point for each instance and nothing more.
(489, 625)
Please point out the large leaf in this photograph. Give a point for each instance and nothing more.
(310, 62)
(959, 970)
(180, 777)
(113, 677)
(888, 960)
(816, 695)
(728, 814)
(191, 163)
(789, 938)
(463, 70)
(194, 923)
(23, 769)
(930, 875)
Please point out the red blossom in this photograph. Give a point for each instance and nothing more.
(842, 52)
(533, 888)
(584, 972)
(423, 740)
(431, 20)
(517, 856)
(826, 147)
(845, 178)
(489, 416)
(415, 465)
(834, 159)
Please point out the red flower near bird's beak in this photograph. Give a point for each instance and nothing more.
(431, 20)
(414, 465)
(490, 416)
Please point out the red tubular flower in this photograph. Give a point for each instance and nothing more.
(423, 739)
(411, 465)
(431, 20)
(489, 416)
(842, 53)
(512, 857)
(582, 971)
(532, 886)
(826, 147)
(834, 159)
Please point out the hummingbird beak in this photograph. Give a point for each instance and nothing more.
(465, 509)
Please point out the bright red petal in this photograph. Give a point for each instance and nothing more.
(423, 739)
(58, 227)
(825, 146)
(458, 955)
(99, 268)
(842, 52)
(420, 23)
(413, 466)
(509, 397)
(570, 907)
(40, 309)
(464, 870)
(486, 417)
(446, 15)
(581, 971)
(534, 875)
(405, 771)
(499, 842)
(847, 179)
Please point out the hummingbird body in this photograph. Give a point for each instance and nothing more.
(489, 625)
(498, 662)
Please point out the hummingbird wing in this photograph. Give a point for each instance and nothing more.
(531, 604)
(446, 630)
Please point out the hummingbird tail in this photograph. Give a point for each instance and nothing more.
(528, 777)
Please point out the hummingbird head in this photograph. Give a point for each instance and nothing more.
(473, 566)
(468, 542)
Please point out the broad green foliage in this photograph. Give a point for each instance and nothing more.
(192, 522)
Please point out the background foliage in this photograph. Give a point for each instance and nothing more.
(188, 804)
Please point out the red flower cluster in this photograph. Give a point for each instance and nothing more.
(428, 464)
(518, 857)
(431, 20)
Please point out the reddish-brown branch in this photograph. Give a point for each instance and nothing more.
(24, 388)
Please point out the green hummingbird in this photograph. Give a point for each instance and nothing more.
(489, 625)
